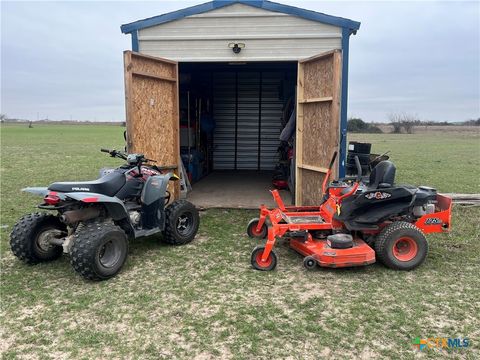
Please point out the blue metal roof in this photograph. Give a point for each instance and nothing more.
(261, 4)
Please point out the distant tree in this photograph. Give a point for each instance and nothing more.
(472, 122)
(403, 121)
(356, 125)
(374, 129)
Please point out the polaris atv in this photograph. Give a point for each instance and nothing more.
(356, 223)
(94, 220)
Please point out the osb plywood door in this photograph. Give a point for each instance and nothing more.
(318, 123)
(151, 100)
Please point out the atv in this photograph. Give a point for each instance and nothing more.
(94, 220)
(357, 223)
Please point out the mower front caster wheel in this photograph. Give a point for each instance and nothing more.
(258, 264)
(253, 232)
(309, 262)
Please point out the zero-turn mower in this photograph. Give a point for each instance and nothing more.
(356, 224)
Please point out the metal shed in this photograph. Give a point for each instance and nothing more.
(240, 65)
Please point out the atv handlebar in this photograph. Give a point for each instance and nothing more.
(115, 153)
(137, 160)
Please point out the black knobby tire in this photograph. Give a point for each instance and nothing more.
(409, 255)
(269, 264)
(251, 229)
(26, 239)
(99, 250)
(181, 223)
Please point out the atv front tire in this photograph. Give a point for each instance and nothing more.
(99, 250)
(401, 246)
(181, 223)
(30, 235)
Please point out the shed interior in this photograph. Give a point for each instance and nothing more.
(231, 117)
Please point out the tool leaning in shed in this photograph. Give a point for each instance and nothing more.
(356, 224)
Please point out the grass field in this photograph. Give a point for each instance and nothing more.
(204, 301)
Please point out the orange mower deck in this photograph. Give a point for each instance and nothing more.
(358, 255)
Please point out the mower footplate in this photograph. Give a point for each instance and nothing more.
(305, 219)
(358, 255)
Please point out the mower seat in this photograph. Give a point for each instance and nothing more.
(107, 185)
(382, 176)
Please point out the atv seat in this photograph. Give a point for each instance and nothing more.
(382, 175)
(107, 185)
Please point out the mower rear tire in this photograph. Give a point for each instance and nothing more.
(252, 229)
(309, 262)
(30, 235)
(99, 250)
(181, 223)
(401, 246)
(258, 264)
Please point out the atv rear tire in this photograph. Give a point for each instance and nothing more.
(99, 250)
(401, 246)
(29, 238)
(181, 223)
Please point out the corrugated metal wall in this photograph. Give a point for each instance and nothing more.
(247, 109)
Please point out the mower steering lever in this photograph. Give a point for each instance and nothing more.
(357, 183)
(329, 173)
(351, 192)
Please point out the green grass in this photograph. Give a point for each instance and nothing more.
(203, 300)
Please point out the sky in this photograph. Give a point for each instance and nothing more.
(63, 60)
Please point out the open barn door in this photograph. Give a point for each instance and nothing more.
(318, 123)
(151, 101)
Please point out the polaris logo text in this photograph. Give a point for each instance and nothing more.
(80, 189)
